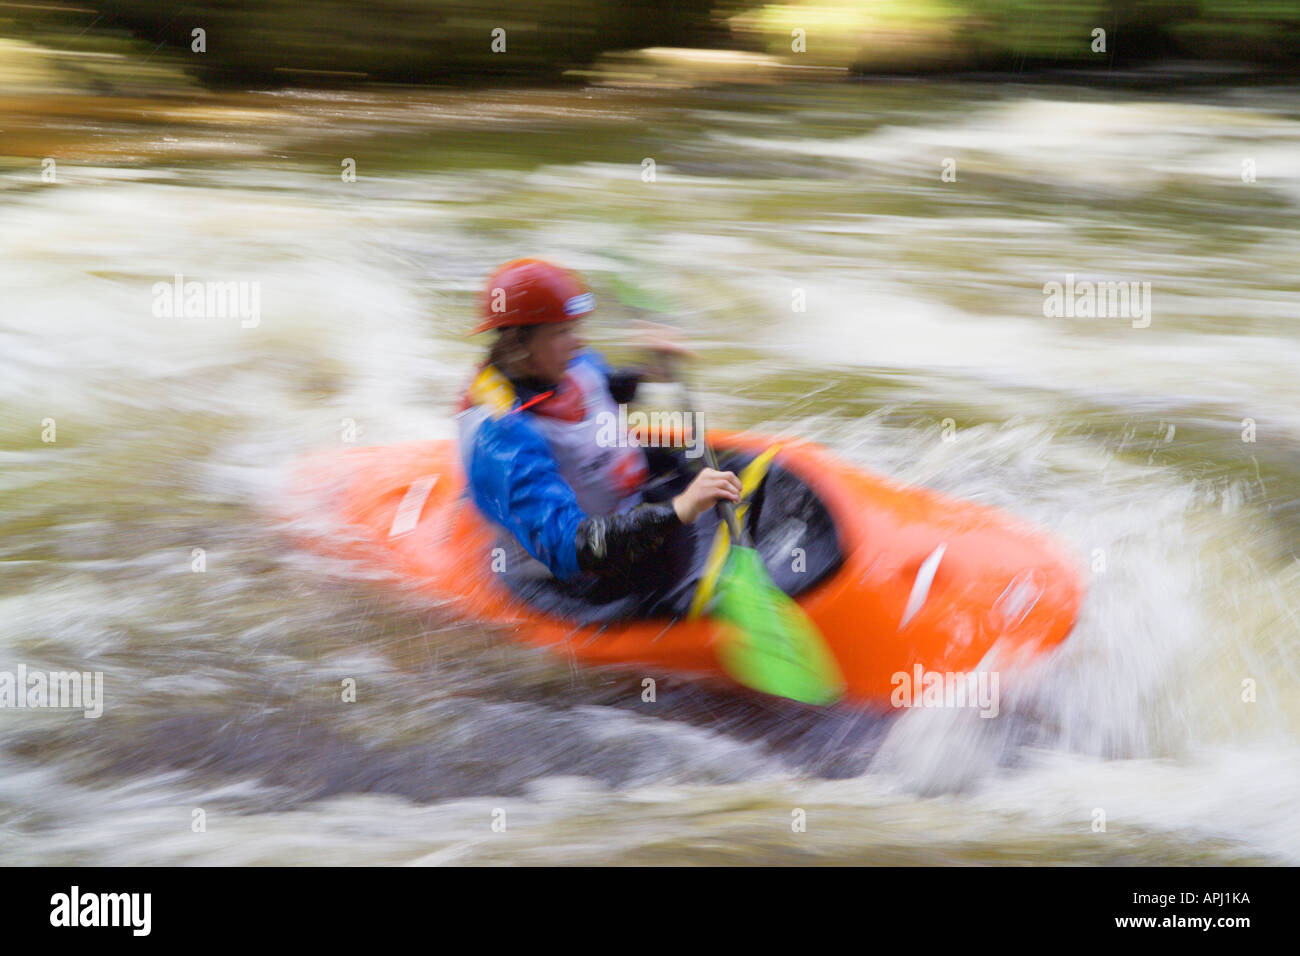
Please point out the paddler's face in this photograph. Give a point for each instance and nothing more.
(551, 348)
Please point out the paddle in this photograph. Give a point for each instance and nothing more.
(768, 642)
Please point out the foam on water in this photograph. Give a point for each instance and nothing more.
(179, 433)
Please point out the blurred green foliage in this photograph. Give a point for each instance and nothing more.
(255, 42)
(910, 35)
(1263, 31)
(411, 41)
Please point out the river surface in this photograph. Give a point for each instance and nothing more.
(1166, 457)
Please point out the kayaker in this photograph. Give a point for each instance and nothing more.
(568, 502)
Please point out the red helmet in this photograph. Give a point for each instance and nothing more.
(531, 292)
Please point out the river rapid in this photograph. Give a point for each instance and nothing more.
(1164, 452)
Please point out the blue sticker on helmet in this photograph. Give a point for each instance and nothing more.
(580, 304)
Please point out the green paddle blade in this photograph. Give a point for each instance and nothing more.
(769, 643)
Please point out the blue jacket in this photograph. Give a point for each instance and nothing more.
(515, 481)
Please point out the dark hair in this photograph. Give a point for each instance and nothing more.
(509, 341)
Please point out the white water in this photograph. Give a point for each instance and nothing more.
(177, 433)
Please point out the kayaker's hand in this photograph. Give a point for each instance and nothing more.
(708, 487)
(664, 348)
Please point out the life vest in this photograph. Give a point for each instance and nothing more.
(576, 422)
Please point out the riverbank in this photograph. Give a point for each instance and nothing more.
(126, 47)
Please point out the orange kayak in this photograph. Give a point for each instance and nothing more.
(923, 580)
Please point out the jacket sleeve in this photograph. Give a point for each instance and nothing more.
(517, 484)
(615, 544)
